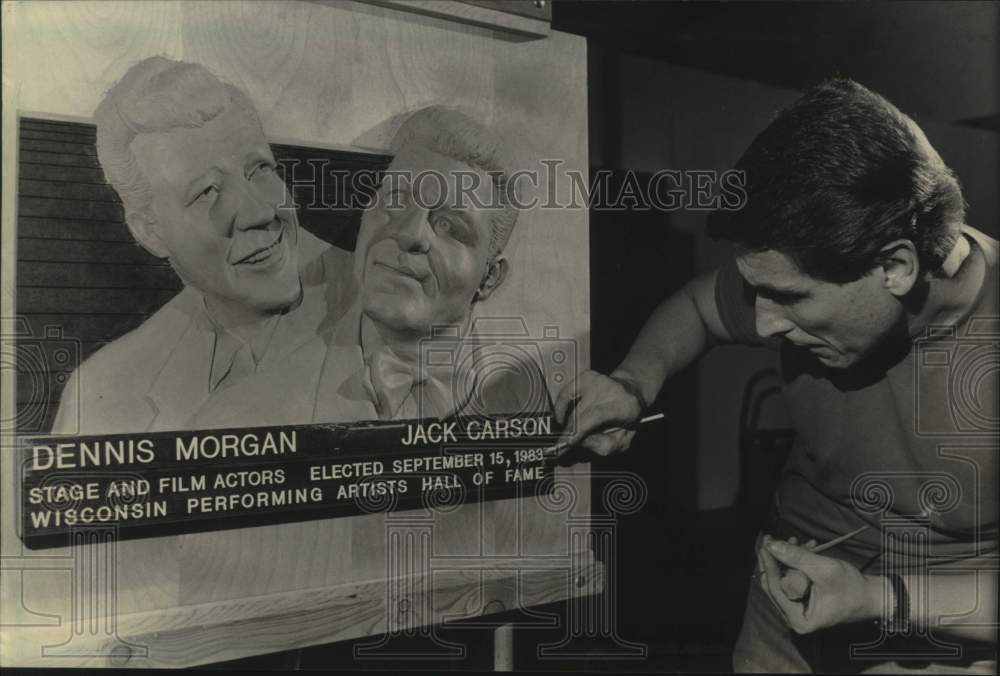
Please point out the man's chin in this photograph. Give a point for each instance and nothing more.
(277, 300)
(386, 310)
(398, 323)
(835, 360)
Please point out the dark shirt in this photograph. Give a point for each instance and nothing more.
(906, 442)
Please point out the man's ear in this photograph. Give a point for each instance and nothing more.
(495, 274)
(144, 229)
(900, 266)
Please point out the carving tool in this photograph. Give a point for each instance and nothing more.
(563, 445)
(819, 549)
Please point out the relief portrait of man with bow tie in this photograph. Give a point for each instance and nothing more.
(429, 255)
(409, 345)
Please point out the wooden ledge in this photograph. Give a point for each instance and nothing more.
(226, 630)
(519, 26)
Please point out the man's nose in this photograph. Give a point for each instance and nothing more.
(771, 319)
(412, 230)
(253, 208)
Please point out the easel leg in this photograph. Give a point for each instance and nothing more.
(503, 648)
(293, 660)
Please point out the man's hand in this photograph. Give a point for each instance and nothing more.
(816, 591)
(591, 404)
(793, 582)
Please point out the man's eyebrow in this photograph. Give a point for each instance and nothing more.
(460, 214)
(771, 288)
(782, 291)
(256, 153)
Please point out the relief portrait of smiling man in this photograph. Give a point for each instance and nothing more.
(200, 188)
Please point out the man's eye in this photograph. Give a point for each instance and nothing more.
(208, 194)
(262, 170)
(451, 226)
(446, 225)
(442, 223)
(783, 298)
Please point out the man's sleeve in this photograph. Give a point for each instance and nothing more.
(734, 299)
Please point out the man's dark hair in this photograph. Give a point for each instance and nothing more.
(838, 175)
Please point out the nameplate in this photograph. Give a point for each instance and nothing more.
(166, 483)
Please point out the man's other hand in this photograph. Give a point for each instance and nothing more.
(590, 406)
(837, 592)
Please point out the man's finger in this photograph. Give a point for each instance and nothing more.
(762, 577)
(796, 557)
(795, 584)
(601, 444)
(762, 581)
(792, 610)
(580, 421)
(608, 442)
(568, 396)
(625, 439)
(587, 419)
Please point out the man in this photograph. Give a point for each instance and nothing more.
(199, 186)
(429, 254)
(850, 251)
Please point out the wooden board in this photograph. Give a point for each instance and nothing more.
(200, 633)
(328, 75)
(512, 19)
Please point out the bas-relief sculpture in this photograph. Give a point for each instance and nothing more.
(208, 596)
(268, 329)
